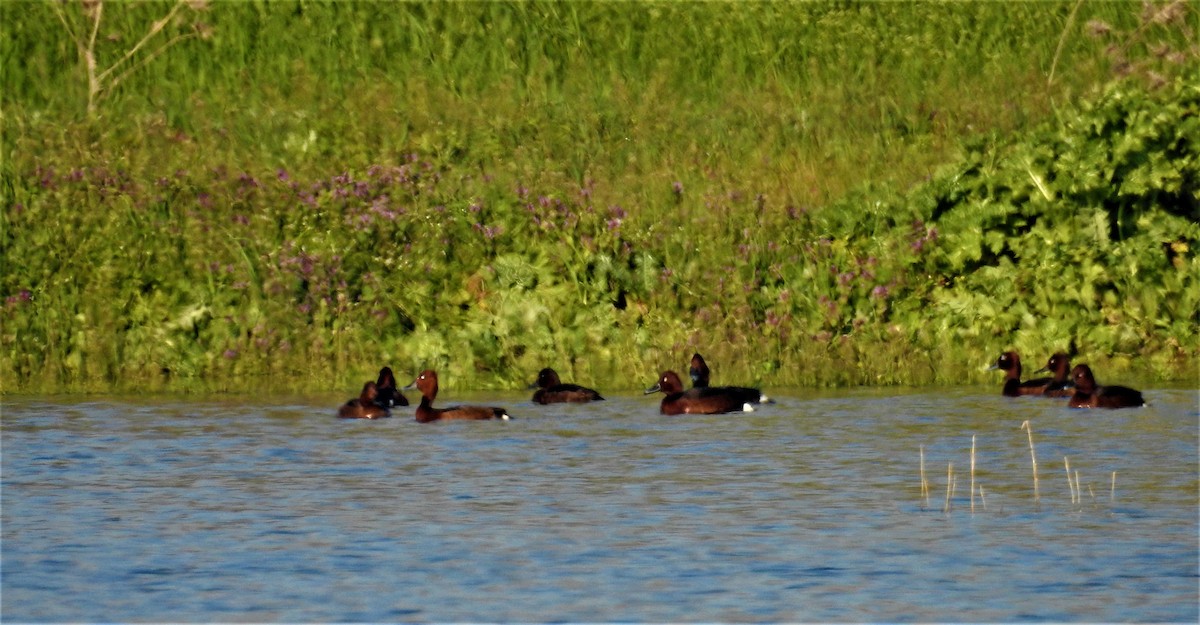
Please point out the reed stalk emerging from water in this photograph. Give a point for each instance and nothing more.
(972, 473)
(949, 486)
(1112, 489)
(1071, 486)
(1037, 497)
(924, 481)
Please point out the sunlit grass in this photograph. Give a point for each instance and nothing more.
(320, 189)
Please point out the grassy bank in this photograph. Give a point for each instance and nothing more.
(828, 194)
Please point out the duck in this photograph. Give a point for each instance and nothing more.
(427, 383)
(695, 400)
(364, 406)
(551, 390)
(1010, 363)
(1061, 385)
(389, 395)
(1088, 394)
(699, 373)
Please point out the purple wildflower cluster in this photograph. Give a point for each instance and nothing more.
(922, 236)
(101, 180)
(23, 296)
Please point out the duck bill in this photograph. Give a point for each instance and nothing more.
(653, 389)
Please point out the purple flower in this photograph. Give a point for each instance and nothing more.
(677, 188)
(230, 354)
(19, 298)
(282, 175)
(879, 292)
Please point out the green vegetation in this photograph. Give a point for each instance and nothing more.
(290, 194)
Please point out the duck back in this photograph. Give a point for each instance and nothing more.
(700, 374)
(388, 394)
(1089, 394)
(427, 383)
(696, 400)
(364, 406)
(552, 390)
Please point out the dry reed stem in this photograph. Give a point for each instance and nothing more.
(1112, 490)
(1037, 497)
(949, 485)
(924, 481)
(982, 499)
(1070, 485)
(972, 473)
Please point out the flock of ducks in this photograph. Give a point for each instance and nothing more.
(378, 397)
(1080, 385)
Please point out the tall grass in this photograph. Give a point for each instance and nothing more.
(490, 188)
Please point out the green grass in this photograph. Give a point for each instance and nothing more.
(812, 194)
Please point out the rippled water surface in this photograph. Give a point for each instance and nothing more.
(184, 509)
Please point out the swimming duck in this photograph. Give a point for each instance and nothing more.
(699, 373)
(696, 400)
(364, 406)
(1061, 385)
(1088, 394)
(1010, 363)
(389, 395)
(551, 390)
(427, 383)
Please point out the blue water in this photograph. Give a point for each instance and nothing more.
(811, 509)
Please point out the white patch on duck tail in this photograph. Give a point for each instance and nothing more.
(747, 407)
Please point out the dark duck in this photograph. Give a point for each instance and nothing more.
(552, 390)
(1088, 394)
(427, 383)
(696, 400)
(700, 373)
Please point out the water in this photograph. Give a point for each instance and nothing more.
(183, 509)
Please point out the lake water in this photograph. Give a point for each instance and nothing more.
(810, 509)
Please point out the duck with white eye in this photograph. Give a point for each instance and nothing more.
(427, 383)
(695, 400)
